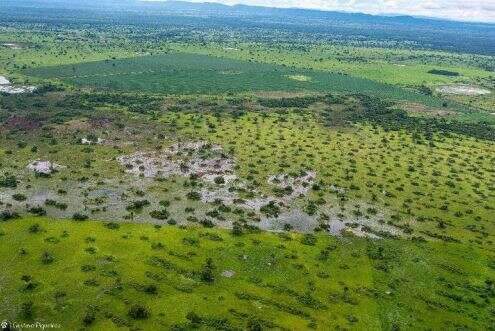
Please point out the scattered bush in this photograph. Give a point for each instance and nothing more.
(138, 312)
(27, 310)
(193, 195)
(79, 217)
(89, 318)
(7, 215)
(160, 214)
(138, 205)
(35, 228)
(8, 181)
(271, 209)
(19, 197)
(206, 273)
(309, 239)
(112, 225)
(47, 258)
(39, 211)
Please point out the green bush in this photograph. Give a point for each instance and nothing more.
(138, 312)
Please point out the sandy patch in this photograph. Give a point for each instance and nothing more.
(17, 89)
(292, 188)
(228, 273)
(7, 87)
(336, 227)
(297, 219)
(86, 141)
(297, 186)
(44, 167)
(361, 227)
(4, 81)
(12, 45)
(462, 90)
(182, 159)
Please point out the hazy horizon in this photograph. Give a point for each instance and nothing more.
(458, 10)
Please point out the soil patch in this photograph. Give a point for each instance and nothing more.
(7, 87)
(420, 109)
(199, 159)
(462, 90)
(21, 123)
(44, 167)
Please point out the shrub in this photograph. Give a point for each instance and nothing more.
(19, 197)
(164, 203)
(194, 318)
(7, 215)
(150, 289)
(138, 205)
(53, 203)
(237, 229)
(8, 181)
(311, 208)
(160, 214)
(39, 211)
(112, 225)
(254, 325)
(35, 228)
(79, 217)
(89, 318)
(27, 310)
(207, 275)
(308, 239)
(138, 312)
(207, 223)
(219, 180)
(271, 209)
(47, 258)
(88, 268)
(193, 195)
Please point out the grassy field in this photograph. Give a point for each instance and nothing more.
(182, 73)
(399, 67)
(102, 276)
(202, 184)
(402, 67)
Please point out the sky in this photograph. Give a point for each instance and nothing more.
(464, 10)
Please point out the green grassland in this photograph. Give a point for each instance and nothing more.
(408, 68)
(399, 67)
(182, 73)
(38, 48)
(408, 177)
(92, 275)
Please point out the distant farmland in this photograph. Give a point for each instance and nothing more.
(182, 73)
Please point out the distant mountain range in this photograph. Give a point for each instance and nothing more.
(215, 8)
(316, 25)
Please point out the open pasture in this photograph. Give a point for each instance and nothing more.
(95, 275)
(182, 73)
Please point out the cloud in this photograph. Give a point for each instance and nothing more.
(465, 10)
